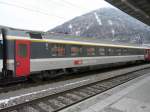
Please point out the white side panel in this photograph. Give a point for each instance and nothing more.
(10, 64)
(0, 36)
(1, 65)
(58, 63)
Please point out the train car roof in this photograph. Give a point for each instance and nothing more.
(18, 32)
(92, 40)
(73, 42)
(13, 33)
(17, 29)
(87, 43)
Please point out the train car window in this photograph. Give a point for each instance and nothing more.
(22, 50)
(91, 51)
(15, 32)
(140, 51)
(36, 35)
(54, 50)
(58, 50)
(1, 49)
(147, 51)
(118, 52)
(111, 51)
(135, 51)
(130, 51)
(76, 50)
(101, 51)
(1, 46)
(125, 51)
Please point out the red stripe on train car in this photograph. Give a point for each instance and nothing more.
(78, 62)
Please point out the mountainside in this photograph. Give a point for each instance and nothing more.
(106, 24)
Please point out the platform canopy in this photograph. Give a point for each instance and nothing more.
(140, 9)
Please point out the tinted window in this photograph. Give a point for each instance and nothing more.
(141, 51)
(125, 51)
(118, 52)
(58, 50)
(36, 35)
(76, 50)
(1, 49)
(17, 33)
(111, 51)
(91, 51)
(101, 51)
(22, 52)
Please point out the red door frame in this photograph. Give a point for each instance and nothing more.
(22, 58)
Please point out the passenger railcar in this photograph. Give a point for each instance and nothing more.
(147, 54)
(29, 53)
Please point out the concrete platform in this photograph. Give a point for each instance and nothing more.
(133, 96)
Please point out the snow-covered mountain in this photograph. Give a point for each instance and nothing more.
(106, 24)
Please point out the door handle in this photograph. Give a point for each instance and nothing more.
(17, 63)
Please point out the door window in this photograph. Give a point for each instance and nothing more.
(22, 52)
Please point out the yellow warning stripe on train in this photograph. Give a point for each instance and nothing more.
(72, 42)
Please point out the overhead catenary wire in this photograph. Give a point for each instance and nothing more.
(43, 12)
(32, 10)
(60, 10)
(67, 3)
(75, 5)
(37, 10)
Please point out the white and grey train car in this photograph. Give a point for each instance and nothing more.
(29, 53)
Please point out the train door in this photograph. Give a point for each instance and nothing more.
(22, 58)
(148, 54)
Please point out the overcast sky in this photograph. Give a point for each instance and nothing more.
(43, 15)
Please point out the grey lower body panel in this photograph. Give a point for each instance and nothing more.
(61, 63)
(10, 64)
(37, 65)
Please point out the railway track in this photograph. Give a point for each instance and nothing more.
(61, 100)
(28, 84)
